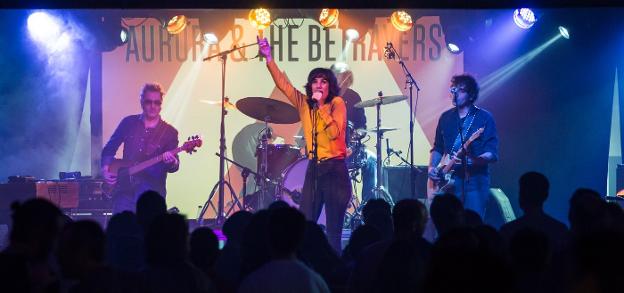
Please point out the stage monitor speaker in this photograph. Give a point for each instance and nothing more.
(619, 180)
(397, 182)
(498, 210)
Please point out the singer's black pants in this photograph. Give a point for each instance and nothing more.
(333, 189)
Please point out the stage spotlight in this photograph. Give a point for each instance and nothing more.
(44, 27)
(210, 39)
(260, 18)
(524, 18)
(401, 20)
(340, 67)
(352, 35)
(453, 48)
(328, 17)
(123, 35)
(176, 24)
(564, 32)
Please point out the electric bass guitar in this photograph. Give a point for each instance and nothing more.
(445, 167)
(125, 170)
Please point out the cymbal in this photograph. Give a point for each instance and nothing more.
(228, 104)
(381, 129)
(383, 100)
(269, 110)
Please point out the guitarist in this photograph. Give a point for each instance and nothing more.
(144, 136)
(471, 185)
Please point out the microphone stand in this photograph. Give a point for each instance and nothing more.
(313, 106)
(411, 83)
(220, 219)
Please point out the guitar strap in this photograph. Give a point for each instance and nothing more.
(153, 145)
(467, 124)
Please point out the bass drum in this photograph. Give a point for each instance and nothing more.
(292, 182)
(292, 186)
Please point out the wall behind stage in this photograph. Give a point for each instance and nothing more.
(151, 54)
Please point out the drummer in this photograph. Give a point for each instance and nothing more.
(360, 156)
(323, 116)
(244, 148)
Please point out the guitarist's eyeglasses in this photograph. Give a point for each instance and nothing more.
(455, 89)
(153, 102)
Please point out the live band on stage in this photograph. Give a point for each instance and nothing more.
(319, 172)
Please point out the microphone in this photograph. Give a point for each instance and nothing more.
(269, 133)
(389, 150)
(314, 100)
(388, 51)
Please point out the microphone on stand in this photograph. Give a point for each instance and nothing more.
(269, 133)
(389, 150)
(389, 51)
(314, 103)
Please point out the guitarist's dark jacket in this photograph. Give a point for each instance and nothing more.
(141, 144)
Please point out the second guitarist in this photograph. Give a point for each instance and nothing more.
(144, 136)
(480, 152)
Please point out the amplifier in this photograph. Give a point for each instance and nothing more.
(63, 193)
(66, 194)
(397, 182)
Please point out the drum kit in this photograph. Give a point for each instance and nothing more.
(281, 168)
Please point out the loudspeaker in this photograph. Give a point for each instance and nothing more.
(619, 180)
(397, 182)
(498, 210)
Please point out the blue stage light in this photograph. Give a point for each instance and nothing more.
(524, 18)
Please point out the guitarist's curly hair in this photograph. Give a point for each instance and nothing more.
(469, 82)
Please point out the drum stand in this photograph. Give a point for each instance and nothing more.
(380, 191)
(245, 172)
(264, 166)
(353, 220)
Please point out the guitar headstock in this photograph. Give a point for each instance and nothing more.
(192, 143)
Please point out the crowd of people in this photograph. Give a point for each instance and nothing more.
(277, 250)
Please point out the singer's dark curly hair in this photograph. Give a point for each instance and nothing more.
(327, 74)
(470, 84)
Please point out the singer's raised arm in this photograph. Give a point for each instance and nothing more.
(281, 80)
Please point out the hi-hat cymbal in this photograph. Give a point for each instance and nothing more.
(381, 129)
(383, 100)
(269, 110)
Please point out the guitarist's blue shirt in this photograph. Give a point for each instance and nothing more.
(447, 130)
(141, 144)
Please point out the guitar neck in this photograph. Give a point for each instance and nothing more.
(151, 162)
(460, 152)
